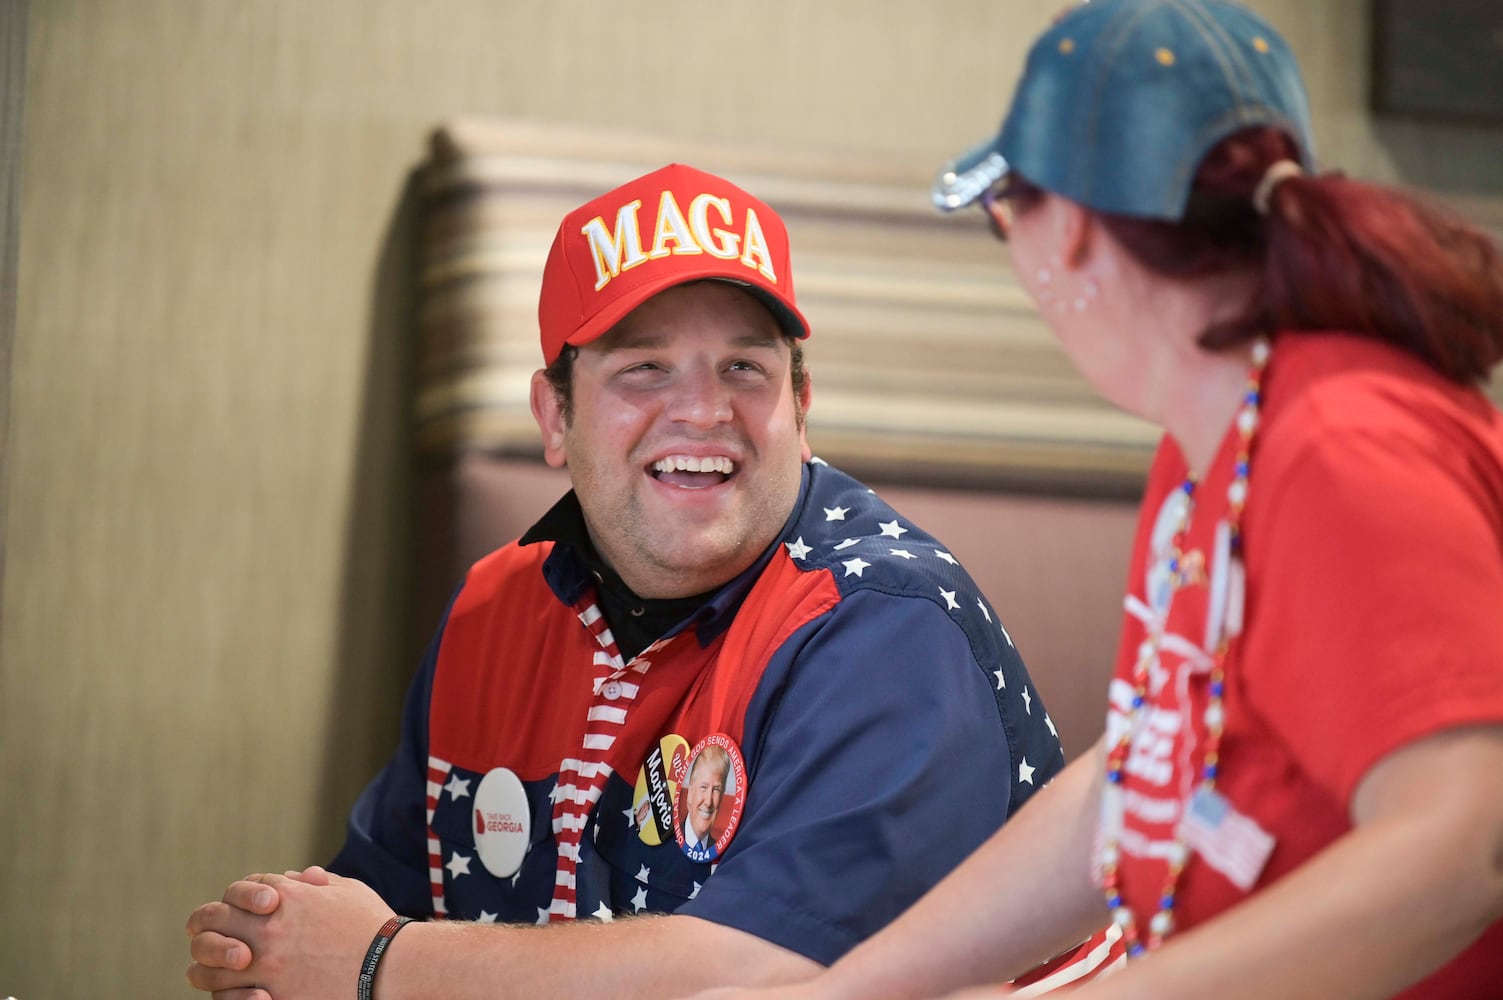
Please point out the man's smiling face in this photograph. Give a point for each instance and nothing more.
(685, 442)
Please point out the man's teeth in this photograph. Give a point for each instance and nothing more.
(689, 463)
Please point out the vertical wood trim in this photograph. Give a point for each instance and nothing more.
(12, 107)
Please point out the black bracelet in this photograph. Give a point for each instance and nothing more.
(373, 955)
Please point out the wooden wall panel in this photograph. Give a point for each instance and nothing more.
(929, 363)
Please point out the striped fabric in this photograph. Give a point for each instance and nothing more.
(581, 779)
(1102, 953)
(438, 773)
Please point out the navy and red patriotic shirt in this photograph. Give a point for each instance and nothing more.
(885, 724)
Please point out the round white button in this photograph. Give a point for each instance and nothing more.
(503, 822)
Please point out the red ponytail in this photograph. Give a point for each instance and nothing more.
(1335, 254)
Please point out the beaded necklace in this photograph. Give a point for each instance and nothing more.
(1184, 569)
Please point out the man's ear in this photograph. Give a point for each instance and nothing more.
(805, 398)
(548, 411)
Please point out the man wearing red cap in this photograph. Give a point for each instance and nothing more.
(706, 589)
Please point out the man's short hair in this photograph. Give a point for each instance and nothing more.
(725, 762)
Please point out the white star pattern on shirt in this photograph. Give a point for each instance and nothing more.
(855, 566)
(603, 913)
(644, 873)
(695, 892)
(458, 865)
(1050, 723)
(640, 899)
(486, 917)
(958, 599)
(457, 787)
(542, 920)
(631, 817)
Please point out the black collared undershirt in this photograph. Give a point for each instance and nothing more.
(636, 622)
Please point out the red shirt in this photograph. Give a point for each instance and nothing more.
(1373, 540)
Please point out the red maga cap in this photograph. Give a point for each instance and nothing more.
(671, 226)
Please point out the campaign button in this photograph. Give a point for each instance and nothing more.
(503, 822)
(656, 788)
(707, 809)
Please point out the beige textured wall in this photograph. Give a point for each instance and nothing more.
(203, 652)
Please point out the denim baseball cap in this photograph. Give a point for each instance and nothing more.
(1121, 100)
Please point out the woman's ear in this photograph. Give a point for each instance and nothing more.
(1075, 230)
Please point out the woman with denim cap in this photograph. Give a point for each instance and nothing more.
(1300, 787)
